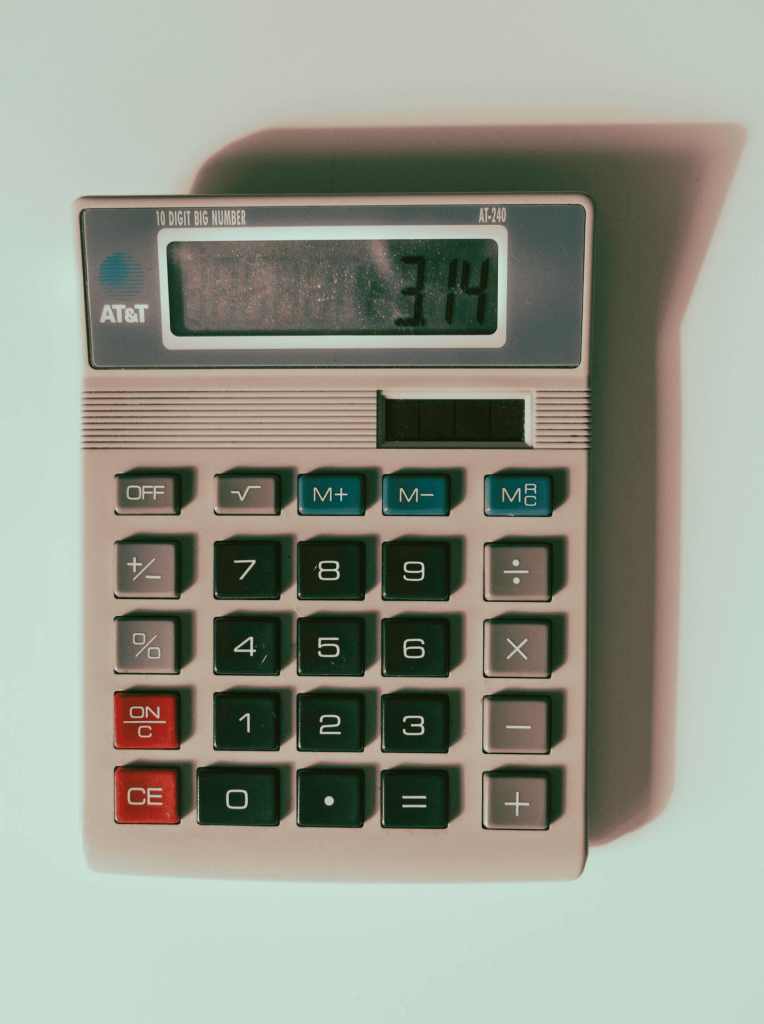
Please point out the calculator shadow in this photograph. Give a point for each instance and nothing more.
(658, 192)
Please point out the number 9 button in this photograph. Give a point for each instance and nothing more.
(414, 571)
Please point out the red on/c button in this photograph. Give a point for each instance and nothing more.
(146, 796)
(146, 721)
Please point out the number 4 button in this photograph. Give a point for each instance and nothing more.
(247, 646)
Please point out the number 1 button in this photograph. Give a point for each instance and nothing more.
(247, 646)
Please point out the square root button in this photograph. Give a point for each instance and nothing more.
(520, 650)
(247, 495)
(515, 800)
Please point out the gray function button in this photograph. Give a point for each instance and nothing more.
(515, 800)
(517, 572)
(148, 495)
(516, 725)
(146, 569)
(247, 495)
(147, 645)
(516, 649)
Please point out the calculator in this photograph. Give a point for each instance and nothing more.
(335, 533)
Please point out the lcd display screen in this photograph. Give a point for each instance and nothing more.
(362, 286)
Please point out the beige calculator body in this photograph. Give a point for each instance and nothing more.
(335, 536)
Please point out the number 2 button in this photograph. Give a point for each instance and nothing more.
(247, 646)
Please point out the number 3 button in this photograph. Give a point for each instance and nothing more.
(415, 723)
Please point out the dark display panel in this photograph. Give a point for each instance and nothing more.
(333, 287)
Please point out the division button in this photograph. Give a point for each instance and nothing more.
(330, 495)
(330, 647)
(330, 798)
(516, 724)
(146, 721)
(415, 723)
(247, 646)
(147, 796)
(146, 569)
(247, 570)
(415, 799)
(237, 796)
(515, 495)
(415, 495)
(515, 801)
(415, 571)
(246, 721)
(330, 721)
(517, 572)
(331, 571)
(247, 495)
(148, 495)
(516, 649)
(415, 647)
(147, 645)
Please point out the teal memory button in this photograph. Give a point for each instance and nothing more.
(515, 495)
(415, 495)
(330, 495)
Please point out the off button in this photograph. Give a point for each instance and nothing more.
(148, 495)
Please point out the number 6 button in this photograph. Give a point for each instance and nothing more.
(415, 647)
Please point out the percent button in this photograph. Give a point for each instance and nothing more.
(147, 646)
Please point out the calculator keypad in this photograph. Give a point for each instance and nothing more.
(331, 713)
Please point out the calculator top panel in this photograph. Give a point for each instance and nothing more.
(350, 282)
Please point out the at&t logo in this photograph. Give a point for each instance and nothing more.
(119, 313)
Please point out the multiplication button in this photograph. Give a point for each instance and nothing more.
(513, 800)
(519, 650)
(146, 569)
(147, 645)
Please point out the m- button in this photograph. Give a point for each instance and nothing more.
(516, 649)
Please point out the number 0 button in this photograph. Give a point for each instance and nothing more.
(415, 647)
(247, 646)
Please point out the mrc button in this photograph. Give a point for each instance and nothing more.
(515, 495)
(146, 796)
(148, 495)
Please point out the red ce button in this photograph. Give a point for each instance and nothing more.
(146, 796)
